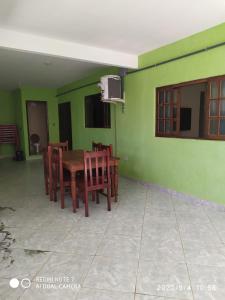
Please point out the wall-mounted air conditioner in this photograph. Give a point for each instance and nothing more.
(111, 89)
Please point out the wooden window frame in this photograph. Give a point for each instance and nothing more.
(218, 117)
(207, 134)
(172, 104)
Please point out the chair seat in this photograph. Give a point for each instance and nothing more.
(81, 183)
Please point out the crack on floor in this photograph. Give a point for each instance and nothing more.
(6, 207)
(6, 241)
(33, 252)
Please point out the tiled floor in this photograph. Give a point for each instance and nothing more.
(152, 246)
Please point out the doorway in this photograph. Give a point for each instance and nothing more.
(37, 122)
(192, 110)
(65, 126)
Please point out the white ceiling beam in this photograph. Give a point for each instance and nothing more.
(48, 46)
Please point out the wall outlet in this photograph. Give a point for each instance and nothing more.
(125, 158)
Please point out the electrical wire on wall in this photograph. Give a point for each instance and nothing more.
(124, 73)
(209, 48)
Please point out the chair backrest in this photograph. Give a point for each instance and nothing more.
(56, 163)
(96, 146)
(48, 157)
(63, 145)
(101, 147)
(108, 147)
(96, 170)
(45, 156)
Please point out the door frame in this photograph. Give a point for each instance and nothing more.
(28, 128)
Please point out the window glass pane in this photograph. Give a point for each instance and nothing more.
(161, 97)
(168, 126)
(161, 126)
(168, 96)
(223, 88)
(161, 112)
(167, 111)
(222, 107)
(213, 108)
(213, 90)
(222, 126)
(174, 112)
(213, 126)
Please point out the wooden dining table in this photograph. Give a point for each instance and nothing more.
(73, 161)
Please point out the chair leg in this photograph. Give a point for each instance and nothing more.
(62, 196)
(55, 193)
(113, 193)
(50, 186)
(51, 191)
(54, 186)
(86, 204)
(109, 198)
(78, 203)
(51, 194)
(97, 198)
(116, 183)
(46, 185)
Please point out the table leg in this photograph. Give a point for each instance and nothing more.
(112, 173)
(73, 190)
(50, 186)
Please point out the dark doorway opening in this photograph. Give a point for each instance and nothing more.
(185, 118)
(97, 113)
(65, 127)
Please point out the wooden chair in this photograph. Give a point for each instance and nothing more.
(108, 147)
(47, 172)
(47, 165)
(60, 178)
(100, 147)
(45, 156)
(96, 146)
(63, 145)
(96, 176)
(114, 178)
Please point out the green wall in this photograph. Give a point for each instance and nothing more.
(195, 167)
(39, 94)
(7, 116)
(83, 137)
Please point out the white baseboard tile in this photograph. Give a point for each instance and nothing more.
(182, 196)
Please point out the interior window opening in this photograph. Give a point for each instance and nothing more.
(195, 110)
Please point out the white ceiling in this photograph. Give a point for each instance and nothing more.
(118, 30)
(28, 69)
